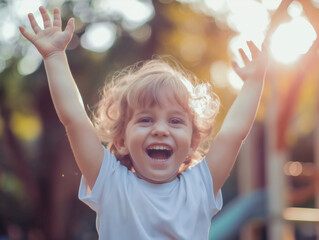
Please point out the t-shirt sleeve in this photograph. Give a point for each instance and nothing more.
(93, 197)
(216, 202)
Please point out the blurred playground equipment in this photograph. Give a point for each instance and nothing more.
(277, 173)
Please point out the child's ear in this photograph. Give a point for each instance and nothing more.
(121, 147)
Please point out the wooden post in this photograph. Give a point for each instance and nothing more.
(246, 174)
(275, 160)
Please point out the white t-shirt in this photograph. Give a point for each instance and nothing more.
(128, 207)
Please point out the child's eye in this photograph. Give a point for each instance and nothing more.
(176, 121)
(145, 120)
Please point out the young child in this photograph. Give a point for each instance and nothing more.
(157, 121)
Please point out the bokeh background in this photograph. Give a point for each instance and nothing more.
(273, 190)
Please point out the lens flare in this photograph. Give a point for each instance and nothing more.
(292, 39)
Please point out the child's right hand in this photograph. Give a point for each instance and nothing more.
(51, 39)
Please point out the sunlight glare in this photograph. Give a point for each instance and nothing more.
(99, 37)
(216, 5)
(8, 31)
(248, 17)
(295, 9)
(235, 81)
(30, 62)
(23, 7)
(135, 13)
(271, 4)
(287, 44)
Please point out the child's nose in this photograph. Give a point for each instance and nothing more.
(160, 129)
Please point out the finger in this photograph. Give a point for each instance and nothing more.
(69, 29)
(253, 49)
(57, 18)
(26, 34)
(243, 55)
(46, 18)
(235, 66)
(34, 23)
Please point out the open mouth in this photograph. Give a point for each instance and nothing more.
(159, 152)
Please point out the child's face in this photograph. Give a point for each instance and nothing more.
(159, 139)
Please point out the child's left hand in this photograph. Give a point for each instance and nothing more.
(254, 69)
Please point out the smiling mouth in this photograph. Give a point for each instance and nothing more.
(159, 152)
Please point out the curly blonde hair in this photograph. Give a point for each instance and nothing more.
(138, 86)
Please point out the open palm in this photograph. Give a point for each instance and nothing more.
(51, 39)
(254, 69)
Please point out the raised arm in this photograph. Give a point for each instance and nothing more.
(51, 42)
(240, 117)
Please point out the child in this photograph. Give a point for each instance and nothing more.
(150, 183)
